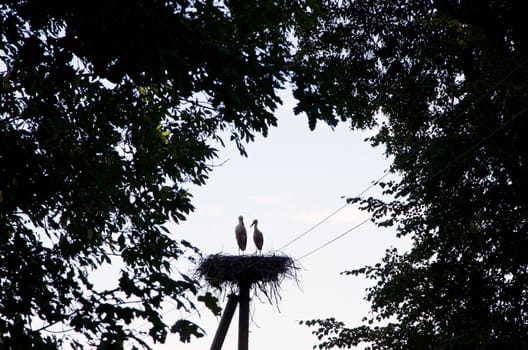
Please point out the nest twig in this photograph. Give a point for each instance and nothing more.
(264, 272)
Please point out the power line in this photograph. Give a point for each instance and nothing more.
(333, 213)
(314, 226)
(463, 154)
(387, 172)
(335, 238)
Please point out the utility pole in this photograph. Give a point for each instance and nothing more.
(243, 272)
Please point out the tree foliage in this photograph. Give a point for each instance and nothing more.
(107, 112)
(450, 77)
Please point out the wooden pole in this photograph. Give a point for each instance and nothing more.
(243, 318)
(225, 321)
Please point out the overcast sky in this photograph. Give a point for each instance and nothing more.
(291, 180)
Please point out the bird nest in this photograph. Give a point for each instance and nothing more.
(264, 272)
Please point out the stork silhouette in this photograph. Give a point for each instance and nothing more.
(241, 234)
(258, 237)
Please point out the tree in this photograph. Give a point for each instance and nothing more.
(108, 110)
(450, 77)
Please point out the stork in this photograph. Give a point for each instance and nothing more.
(258, 237)
(241, 234)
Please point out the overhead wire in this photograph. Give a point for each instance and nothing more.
(320, 222)
(387, 172)
(335, 238)
(460, 156)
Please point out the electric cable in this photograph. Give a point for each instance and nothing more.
(335, 238)
(460, 156)
(387, 172)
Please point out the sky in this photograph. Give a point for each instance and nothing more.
(290, 181)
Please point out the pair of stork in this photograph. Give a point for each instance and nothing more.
(241, 235)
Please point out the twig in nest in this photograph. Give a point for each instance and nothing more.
(265, 272)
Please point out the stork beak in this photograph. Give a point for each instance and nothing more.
(253, 223)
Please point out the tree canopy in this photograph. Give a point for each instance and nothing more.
(450, 79)
(108, 110)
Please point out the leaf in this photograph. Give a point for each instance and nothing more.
(211, 302)
(186, 329)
